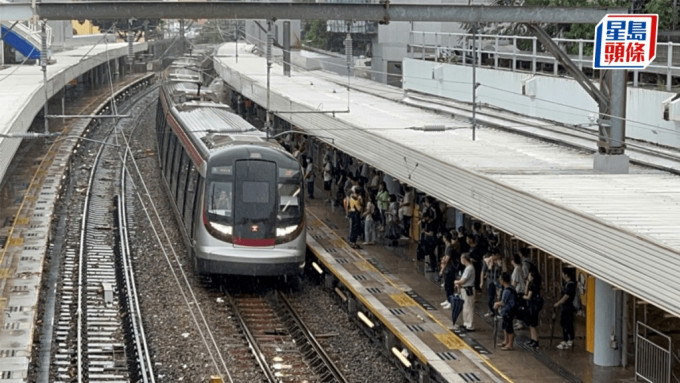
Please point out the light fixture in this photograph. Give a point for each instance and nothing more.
(365, 319)
(401, 357)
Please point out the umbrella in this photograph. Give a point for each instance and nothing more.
(456, 306)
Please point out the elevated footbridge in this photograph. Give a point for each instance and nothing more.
(623, 229)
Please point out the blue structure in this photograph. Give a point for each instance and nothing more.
(20, 43)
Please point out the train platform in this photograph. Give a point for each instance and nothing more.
(22, 89)
(398, 265)
(28, 196)
(544, 194)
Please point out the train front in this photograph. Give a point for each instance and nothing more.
(252, 215)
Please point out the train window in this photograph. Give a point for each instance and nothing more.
(285, 173)
(289, 200)
(183, 173)
(220, 197)
(197, 206)
(179, 151)
(190, 197)
(169, 149)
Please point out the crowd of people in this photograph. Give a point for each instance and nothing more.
(466, 262)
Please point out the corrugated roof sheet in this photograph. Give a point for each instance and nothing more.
(622, 228)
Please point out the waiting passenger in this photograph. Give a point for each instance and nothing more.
(467, 284)
(309, 178)
(427, 244)
(449, 267)
(534, 302)
(566, 302)
(327, 177)
(392, 230)
(476, 254)
(508, 307)
(518, 281)
(369, 221)
(383, 203)
(406, 211)
(354, 211)
(491, 270)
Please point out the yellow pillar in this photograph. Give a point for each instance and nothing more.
(415, 223)
(590, 314)
(215, 379)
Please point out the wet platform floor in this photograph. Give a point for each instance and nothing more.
(524, 364)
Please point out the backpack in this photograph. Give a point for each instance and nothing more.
(376, 214)
(515, 301)
(536, 302)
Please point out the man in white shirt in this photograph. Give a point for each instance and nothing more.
(467, 284)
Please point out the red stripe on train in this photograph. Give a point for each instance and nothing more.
(254, 242)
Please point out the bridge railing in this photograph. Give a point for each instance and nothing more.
(524, 53)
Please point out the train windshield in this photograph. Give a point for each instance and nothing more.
(290, 194)
(221, 200)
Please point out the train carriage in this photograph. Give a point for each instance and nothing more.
(237, 195)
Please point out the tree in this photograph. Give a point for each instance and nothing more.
(668, 15)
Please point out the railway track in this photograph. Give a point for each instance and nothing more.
(98, 338)
(284, 347)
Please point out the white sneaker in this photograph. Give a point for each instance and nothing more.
(565, 345)
(447, 306)
(444, 303)
(489, 314)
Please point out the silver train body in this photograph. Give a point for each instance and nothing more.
(238, 197)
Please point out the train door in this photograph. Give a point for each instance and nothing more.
(255, 203)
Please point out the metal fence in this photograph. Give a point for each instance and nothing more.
(511, 51)
(653, 355)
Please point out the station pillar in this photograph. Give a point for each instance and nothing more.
(608, 315)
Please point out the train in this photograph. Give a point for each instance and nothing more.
(237, 195)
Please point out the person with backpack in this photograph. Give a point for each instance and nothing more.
(508, 306)
(534, 303)
(566, 302)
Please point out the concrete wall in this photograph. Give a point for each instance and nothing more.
(554, 98)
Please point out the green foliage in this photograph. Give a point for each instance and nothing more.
(315, 33)
(668, 15)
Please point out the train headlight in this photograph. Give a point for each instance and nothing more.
(284, 231)
(224, 229)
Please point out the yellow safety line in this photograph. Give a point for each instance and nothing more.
(384, 320)
(23, 201)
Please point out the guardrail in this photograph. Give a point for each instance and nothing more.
(515, 52)
(653, 361)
